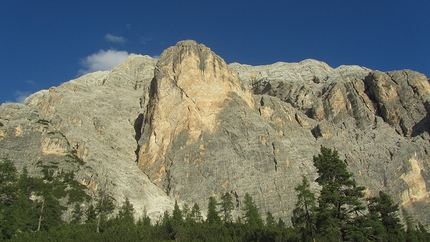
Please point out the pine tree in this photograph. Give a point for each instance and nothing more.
(226, 208)
(186, 212)
(212, 216)
(304, 212)
(26, 213)
(38, 205)
(411, 232)
(384, 222)
(179, 233)
(270, 220)
(104, 206)
(91, 214)
(126, 212)
(177, 214)
(196, 214)
(281, 224)
(8, 178)
(50, 212)
(76, 214)
(423, 235)
(166, 227)
(339, 201)
(8, 196)
(252, 216)
(144, 220)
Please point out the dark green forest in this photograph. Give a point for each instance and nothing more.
(32, 208)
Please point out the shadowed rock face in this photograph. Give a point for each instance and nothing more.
(198, 127)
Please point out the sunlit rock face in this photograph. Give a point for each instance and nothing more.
(205, 133)
(191, 86)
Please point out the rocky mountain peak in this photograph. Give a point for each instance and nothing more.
(191, 86)
(189, 126)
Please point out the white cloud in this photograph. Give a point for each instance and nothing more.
(157, 57)
(102, 61)
(115, 39)
(21, 96)
(31, 82)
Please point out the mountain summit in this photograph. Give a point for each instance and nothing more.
(189, 126)
(191, 86)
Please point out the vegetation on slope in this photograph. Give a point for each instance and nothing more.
(31, 211)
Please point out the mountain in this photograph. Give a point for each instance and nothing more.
(189, 126)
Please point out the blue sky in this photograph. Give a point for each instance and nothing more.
(44, 43)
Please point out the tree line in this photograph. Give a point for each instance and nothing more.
(31, 211)
(341, 213)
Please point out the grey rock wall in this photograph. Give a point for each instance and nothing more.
(98, 116)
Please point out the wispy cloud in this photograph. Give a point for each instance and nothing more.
(115, 39)
(21, 96)
(31, 82)
(102, 61)
(144, 40)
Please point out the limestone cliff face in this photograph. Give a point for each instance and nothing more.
(378, 121)
(189, 126)
(98, 116)
(191, 86)
(402, 99)
(204, 136)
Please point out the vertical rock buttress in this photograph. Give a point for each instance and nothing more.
(190, 87)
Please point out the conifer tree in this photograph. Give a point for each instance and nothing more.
(423, 235)
(166, 227)
(104, 206)
(339, 201)
(91, 214)
(179, 232)
(281, 224)
(8, 178)
(304, 212)
(252, 215)
(144, 220)
(411, 231)
(226, 208)
(384, 221)
(196, 214)
(212, 216)
(34, 204)
(76, 214)
(8, 196)
(126, 212)
(177, 214)
(50, 212)
(26, 213)
(38, 205)
(186, 212)
(270, 220)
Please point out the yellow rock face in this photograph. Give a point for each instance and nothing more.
(417, 190)
(54, 146)
(191, 86)
(18, 131)
(3, 134)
